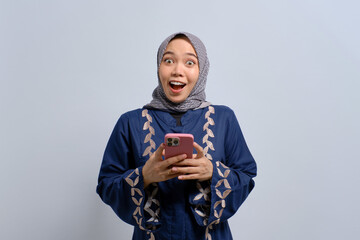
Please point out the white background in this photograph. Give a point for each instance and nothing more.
(289, 70)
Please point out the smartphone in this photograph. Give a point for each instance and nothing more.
(178, 143)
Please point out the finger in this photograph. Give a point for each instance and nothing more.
(174, 175)
(199, 150)
(187, 162)
(171, 174)
(184, 170)
(189, 177)
(159, 151)
(173, 160)
(172, 171)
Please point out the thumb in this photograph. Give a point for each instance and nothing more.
(159, 151)
(199, 150)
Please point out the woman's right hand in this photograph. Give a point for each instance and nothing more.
(157, 170)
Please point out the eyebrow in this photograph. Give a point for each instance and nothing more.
(172, 53)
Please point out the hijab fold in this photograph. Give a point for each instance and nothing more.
(196, 98)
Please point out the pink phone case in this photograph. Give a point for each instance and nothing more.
(178, 143)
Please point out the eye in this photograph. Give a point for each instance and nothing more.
(167, 60)
(190, 63)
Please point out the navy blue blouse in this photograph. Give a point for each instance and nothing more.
(177, 209)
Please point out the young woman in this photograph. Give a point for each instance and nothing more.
(177, 198)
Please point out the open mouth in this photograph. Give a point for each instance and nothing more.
(177, 85)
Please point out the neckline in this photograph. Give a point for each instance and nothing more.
(177, 117)
(186, 118)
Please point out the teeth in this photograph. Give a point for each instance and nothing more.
(177, 83)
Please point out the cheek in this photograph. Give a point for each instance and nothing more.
(163, 84)
(194, 77)
(162, 75)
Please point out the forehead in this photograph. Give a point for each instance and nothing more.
(180, 45)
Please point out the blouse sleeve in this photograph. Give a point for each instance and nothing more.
(217, 200)
(120, 183)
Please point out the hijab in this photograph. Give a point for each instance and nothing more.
(196, 98)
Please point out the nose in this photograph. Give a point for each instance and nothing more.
(178, 70)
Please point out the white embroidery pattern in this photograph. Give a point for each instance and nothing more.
(152, 146)
(209, 132)
(204, 193)
(152, 200)
(223, 172)
(220, 205)
(151, 195)
(201, 210)
(222, 195)
(133, 179)
(136, 195)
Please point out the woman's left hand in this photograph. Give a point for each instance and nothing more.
(199, 167)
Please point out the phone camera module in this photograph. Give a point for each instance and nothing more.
(172, 142)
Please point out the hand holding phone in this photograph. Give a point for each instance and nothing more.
(178, 143)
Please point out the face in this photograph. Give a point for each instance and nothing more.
(179, 70)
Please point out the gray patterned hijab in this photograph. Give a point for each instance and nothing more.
(196, 99)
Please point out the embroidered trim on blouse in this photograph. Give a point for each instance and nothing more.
(203, 210)
(152, 146)
(209, 132)
(136, 195)
(222, 170)
(152, 201)
(133, 179)
(152, 205)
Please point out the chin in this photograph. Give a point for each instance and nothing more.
(176, 100)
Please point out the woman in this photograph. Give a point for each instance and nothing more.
(177, 198)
